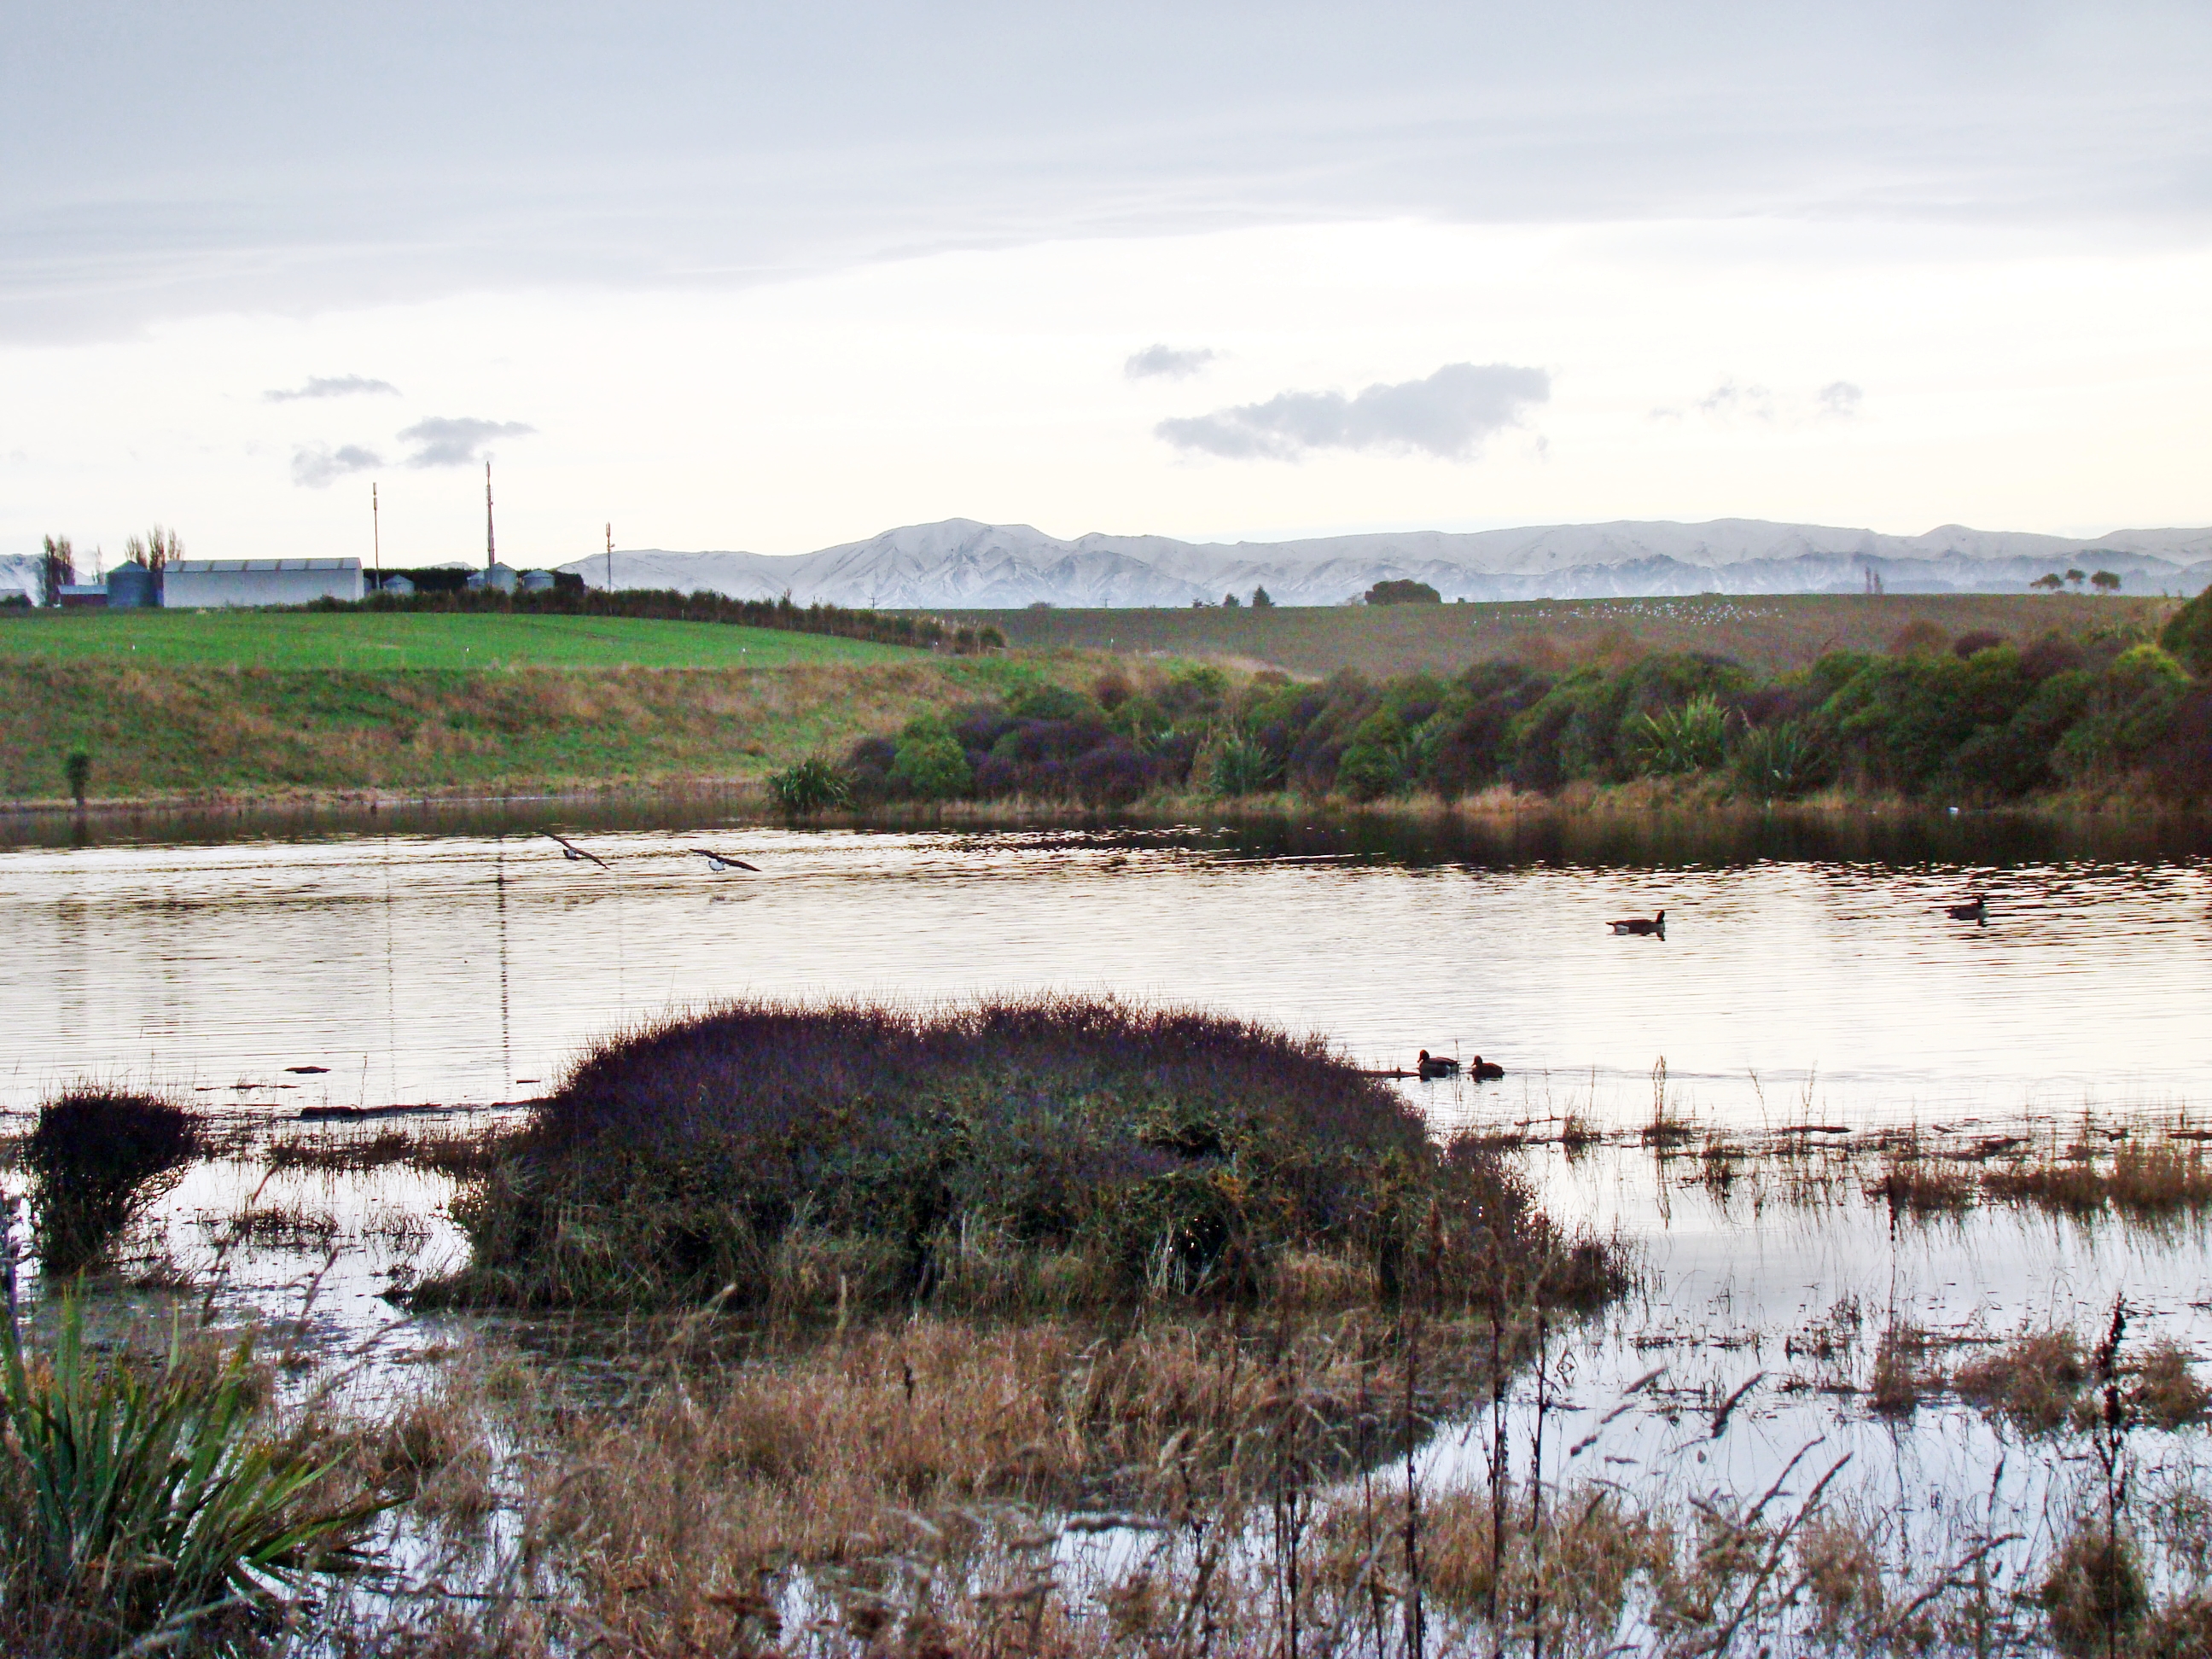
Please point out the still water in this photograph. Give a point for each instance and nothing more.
(1808, 975)
(1804, 969)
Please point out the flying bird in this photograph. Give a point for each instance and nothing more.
(724, 860)
(1642, 925)
(570, 850)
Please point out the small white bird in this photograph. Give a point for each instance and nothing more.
(570, 850)
(724, 860)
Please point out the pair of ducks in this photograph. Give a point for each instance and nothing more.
(1436, 1065)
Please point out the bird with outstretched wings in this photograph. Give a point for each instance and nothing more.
(571, 851)
(724, 860)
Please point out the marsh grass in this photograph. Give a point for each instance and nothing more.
(96, 1159)
(1037, 1154)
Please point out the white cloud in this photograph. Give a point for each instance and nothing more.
(1168, 362)
(1448, 415)
(318, 468)
(442, 440)
(1839, 399)
(335, 385)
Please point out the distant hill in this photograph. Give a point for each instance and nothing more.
(962, 565)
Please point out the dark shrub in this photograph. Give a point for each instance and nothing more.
(980, 727)
(2054, 653)
(1980, 640)
(997, 779)
(1112, 776)
(1058, 1150)
(1406, 592)
(95, 1158)
(2181, 762)
(2188, 634)
(1112, 689)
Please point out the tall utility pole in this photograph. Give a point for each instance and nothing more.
(611, 558)
(491, 556)
(376, 533)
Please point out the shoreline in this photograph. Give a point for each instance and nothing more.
(746, 797)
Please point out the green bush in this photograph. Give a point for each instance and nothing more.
(1782, 760)
(1380, 760)
(1243, 766)
(813, 786)
(930, 764)
(1672, 741)
(2127, 708)
(144, 1513)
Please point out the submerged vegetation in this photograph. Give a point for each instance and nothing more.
(1052, 1153)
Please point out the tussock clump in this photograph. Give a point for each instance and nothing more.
(1902, 1373)
(2032, 1383)
(2167, 1392)
(1051, 1152)
(96, 1159)
(1916, 1186)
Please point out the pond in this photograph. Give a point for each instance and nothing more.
(1811, 990)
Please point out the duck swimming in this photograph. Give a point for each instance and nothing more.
(1486, 1071)
(1436, 1065)
(1977, 911)
(1642, 925)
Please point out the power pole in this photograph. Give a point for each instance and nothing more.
(611, 558)
(376, 533)
(491, 556)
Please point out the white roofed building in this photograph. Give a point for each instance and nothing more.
(210, 584)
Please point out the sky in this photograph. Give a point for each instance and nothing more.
(776, 277)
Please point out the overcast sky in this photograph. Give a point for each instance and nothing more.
(774, 277)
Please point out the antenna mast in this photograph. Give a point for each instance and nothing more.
(376, 533)
(611, 558)
(490, 556)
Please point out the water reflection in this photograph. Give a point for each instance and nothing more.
(1809, 966)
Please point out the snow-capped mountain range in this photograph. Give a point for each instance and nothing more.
(960, 564)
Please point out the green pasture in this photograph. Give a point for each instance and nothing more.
(357, 641)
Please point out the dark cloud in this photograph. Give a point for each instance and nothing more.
(335, 385)
(456, 441)
(1168, 362)
(378, 156)
(1447, 415)
(318, 468)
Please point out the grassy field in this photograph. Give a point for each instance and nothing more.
(370, 640)
(1767, 633)
(154, 731)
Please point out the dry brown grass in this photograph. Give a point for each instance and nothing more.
(2147, 1182)
(1903, 1375)
(443, 1152)
(1913, 1185)
(2033, 1383)
(1768, 633)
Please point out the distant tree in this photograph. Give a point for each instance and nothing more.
(2105, 582)
(78, 770)
(1261, 600)
(1403, 593)
(159, 549)
(2076, 578)
(1230, 602)
(2051, 582)
(56, 569)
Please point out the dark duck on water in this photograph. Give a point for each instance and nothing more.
(1643, 926)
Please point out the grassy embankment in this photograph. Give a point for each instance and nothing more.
(270, 704)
